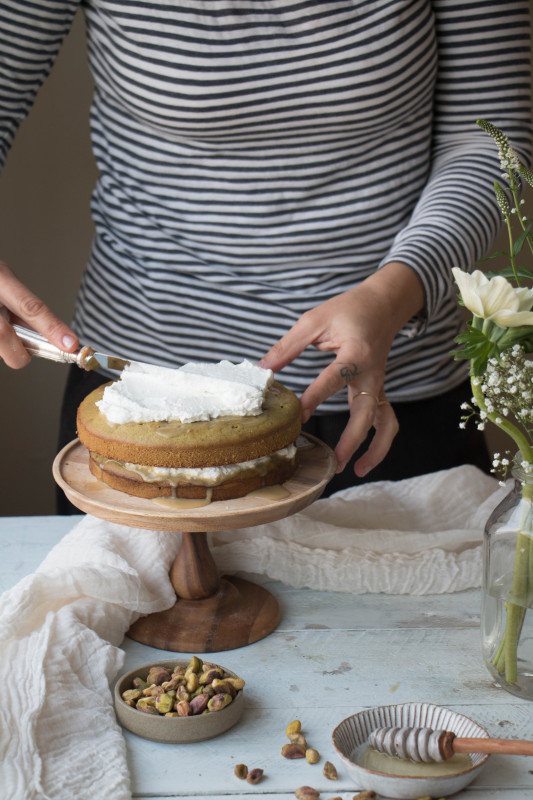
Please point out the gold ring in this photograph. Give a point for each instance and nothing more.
(369, 394)
(375, 397)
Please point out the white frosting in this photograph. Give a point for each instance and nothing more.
(191, 393)
(208, 475)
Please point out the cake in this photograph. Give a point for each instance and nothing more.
(203, 431)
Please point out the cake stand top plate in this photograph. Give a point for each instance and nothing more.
(317, 465)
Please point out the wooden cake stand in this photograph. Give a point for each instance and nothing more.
(211, 613)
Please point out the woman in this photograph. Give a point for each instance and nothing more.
(288, 181)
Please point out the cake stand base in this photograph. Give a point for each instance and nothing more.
(210, 613)
(239, 613)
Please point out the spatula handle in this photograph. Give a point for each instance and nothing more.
(37, 345)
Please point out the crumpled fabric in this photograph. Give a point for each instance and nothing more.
(60, 635)
(61, 627)
(418, 536)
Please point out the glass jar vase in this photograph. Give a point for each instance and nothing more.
(507, 604)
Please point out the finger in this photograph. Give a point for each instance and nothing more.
(12, 351)
(331, 380)
(30, 311)
(290, 346)
(386, 427)
(386, 430)
(364, 414)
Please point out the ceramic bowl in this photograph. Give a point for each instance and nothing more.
(351, 735)
(177, 730)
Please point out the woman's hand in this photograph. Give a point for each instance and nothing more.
(19, 305)
(359, 326)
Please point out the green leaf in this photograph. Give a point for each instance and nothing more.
(517, 247)
(472, 335)
(477, 348)
(459, 355)
(493, 255)
(522, 335)
(508, 272)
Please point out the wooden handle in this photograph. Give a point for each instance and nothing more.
(516, 747)
(425, 744)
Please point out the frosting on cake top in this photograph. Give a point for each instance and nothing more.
(193, 392)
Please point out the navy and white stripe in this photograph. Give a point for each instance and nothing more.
(258, 157)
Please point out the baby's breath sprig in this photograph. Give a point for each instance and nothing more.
(508, 387)
(503, 395)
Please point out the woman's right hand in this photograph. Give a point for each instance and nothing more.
(18, 305)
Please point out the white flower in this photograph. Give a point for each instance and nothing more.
(495, 299)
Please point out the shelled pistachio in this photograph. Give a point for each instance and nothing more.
(255, 775)
(197, 688)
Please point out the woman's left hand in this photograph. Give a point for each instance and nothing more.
(359, 327)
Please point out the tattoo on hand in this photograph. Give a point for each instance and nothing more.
(348, 372)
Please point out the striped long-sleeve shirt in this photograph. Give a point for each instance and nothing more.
(257, 157)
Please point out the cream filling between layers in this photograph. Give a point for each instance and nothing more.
(203, 476)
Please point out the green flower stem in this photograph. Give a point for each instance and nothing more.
(520, 587)
(516, 199)
(511, 247)
(506, 655)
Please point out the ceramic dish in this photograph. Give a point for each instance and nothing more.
(350, 740)
(177, 730)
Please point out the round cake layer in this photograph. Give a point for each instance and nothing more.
(125, 479)
(226, 440)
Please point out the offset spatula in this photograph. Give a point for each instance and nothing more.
(85, 357)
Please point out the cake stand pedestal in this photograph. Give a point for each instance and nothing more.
(211, 613)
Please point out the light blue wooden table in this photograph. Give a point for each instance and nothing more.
(331, 656)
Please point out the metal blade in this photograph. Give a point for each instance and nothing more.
(103, 361)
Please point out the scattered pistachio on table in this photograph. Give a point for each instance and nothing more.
(293, 727)
(293, 750)
(241, 771)
(427, 797)
(199, 688)
(298, 747)
(298, 738)
(330, 771)
(368, 794)
(306, 793)
(255, 775)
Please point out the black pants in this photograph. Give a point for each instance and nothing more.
(429, 438)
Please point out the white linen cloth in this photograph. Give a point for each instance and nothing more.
(61, 627)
